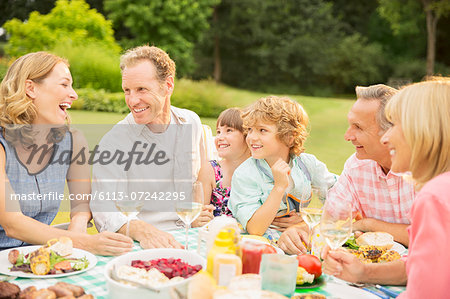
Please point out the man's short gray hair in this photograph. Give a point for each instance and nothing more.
(381, 93)
(164, 65)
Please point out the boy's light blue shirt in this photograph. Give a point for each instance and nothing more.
(250, 187)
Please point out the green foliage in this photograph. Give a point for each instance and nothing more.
(291, 42)
(100, 100)
(172, 25)
(404, 16)
(355, 62)
(413, 70)
(3, 68)
(92, 65)
(205, 98)
(68, 21)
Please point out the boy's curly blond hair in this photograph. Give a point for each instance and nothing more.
(289, 117)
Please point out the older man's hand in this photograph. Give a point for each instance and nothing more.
(149, 236)
(159, 239)
(294, 239)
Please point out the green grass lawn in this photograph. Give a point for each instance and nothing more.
(328, 123)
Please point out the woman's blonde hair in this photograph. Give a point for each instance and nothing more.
(423, 110)
(16, 108)
(289, 117)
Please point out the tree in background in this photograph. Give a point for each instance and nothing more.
(68, 22)
(293, 44)
(407, 15)
(172, 25)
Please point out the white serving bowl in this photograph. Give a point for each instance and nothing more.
(117, 290)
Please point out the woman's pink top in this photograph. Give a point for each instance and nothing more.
(428, 263)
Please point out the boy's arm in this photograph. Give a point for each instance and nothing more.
(263, 217)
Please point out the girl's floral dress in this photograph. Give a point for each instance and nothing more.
(219, 195)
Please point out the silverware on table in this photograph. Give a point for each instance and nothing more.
(386, 293)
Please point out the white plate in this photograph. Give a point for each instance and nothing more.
(345, 291)
(76, 253)
(262, 242)
(399, 248)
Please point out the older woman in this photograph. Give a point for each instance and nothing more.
(419, 142)
(34, 163)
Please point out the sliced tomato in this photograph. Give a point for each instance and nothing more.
(310, 263)
(64, 265)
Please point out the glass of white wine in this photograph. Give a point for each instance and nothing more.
(336, 223)
(313, 213)
(188, 211)
(130, 208)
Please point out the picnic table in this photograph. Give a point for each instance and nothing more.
(94, 282)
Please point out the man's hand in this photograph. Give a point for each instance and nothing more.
(343, 265)
(282, 223)
(293, 239)
(159, 239)
(280, 172)
(149, 236)
(109, 243)
(205, 216)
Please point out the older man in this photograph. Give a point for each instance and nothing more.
(381, 198)
(159, 149)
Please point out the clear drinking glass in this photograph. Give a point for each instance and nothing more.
(312, 214)
(188, 211)
(279, 273)
(130, 208)
(336, 223)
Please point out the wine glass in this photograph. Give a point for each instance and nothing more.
(130, 208)
(312, 214)
(188, 211)
(336, 223)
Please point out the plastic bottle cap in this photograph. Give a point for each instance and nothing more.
(225, 238)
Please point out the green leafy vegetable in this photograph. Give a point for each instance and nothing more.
(21, 260)
(81, 264)
(55, 258)
(351, 243)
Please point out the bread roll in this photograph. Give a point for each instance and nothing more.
(381, 240)
(63, 246)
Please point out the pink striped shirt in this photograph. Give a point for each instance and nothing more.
(373, 193)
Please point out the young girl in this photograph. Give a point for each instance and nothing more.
(276, 132)
(419, 141)
(232, 149)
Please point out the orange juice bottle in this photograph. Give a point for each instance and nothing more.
(223, 244)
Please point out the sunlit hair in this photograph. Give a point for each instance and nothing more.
(289, 117)
(423, 111)
(232, 117)
(16, 108)
(164, 65)
(381, 93)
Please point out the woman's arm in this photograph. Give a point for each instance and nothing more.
(79, 183)
(21, 227)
